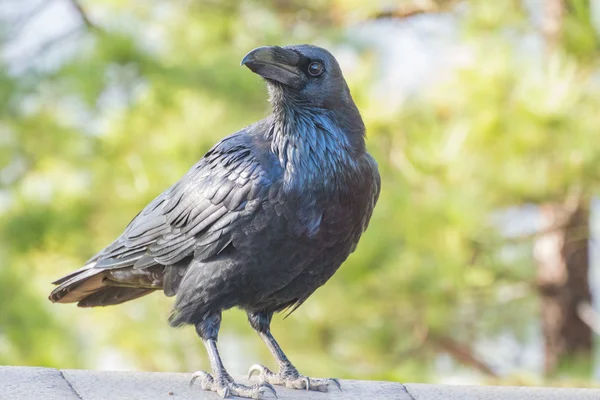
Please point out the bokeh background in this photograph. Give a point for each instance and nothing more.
(480, 264)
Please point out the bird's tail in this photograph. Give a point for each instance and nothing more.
(92, 287)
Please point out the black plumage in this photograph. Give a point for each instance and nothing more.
(260, 222)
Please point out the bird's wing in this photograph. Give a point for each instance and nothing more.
(197, 214)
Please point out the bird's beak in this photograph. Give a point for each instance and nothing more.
(275, 63)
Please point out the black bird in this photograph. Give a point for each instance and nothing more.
(260, 222)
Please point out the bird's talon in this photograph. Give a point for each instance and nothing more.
(262, 371)
(225, 393)
(336, 383)
(203, 377)
(225, 386)
(307, 383)
(290, 378)
(266, 386)
(251, 372)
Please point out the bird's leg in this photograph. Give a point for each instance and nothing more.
(288, 375)
(221, 382)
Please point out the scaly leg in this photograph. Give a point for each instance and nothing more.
(288, 375)
(222, 382)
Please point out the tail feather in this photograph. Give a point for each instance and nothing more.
(90, 286)
(108, 281)
(77, 286)
(74, 274)
(111, 295)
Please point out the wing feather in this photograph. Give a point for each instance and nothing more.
(197, 214)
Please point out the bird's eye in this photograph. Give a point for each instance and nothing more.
(315, 69)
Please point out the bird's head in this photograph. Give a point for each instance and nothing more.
(301, 74)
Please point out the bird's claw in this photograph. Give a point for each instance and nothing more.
(200, 374)
(290, 378)
(306, 382)
(262, 372)
(336, 383)
(322, 385)
(225, 386)
(257, 368)
(266, 386)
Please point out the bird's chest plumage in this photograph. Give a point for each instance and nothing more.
(320, 227)
(327, 218)
(321, 198)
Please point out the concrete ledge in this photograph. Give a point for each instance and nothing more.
(31, 383)
(27, 383)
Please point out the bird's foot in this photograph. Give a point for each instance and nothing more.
(225, 386)
(290, 378)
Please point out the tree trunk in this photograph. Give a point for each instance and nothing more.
(562, 257)
(551, 22)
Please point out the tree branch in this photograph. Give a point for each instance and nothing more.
(83, 14)
(463, 354)
(409, 10)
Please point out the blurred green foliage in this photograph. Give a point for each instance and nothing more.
(85, 145)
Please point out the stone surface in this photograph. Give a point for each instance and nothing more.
(102, 385)
(25, 383)
(420, 391)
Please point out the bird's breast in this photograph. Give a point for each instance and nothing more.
(334, 205)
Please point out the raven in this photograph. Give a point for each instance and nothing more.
(265, 218)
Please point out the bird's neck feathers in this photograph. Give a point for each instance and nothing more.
(315, 147)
